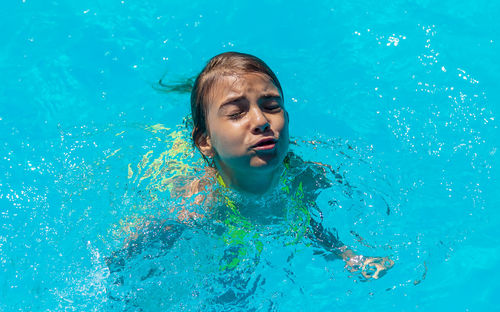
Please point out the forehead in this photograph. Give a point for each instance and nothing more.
(239, 84)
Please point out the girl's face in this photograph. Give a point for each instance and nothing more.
(247, 125)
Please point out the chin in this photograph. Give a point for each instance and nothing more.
(266, 162)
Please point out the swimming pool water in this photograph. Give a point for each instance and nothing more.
(398, 96)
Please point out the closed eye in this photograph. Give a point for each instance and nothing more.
(272, 104)
(234, 109)
(235, 115)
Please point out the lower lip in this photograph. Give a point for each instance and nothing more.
(266, 147)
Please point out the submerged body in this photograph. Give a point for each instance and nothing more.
(254, 191)
(238, 218)
(236, 233)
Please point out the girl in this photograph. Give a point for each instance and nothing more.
(252, 186)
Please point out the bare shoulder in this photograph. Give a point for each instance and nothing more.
(193, 185)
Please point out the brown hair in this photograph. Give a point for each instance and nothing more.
(228, 63)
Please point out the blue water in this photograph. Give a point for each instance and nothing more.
(399, 96)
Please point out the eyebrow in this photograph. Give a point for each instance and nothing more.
(241, 97)
(232, 100)
(271, 96)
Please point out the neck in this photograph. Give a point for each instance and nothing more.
(256, 183)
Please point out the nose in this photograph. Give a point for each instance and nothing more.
(261, 123)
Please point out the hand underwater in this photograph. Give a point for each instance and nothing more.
(371, 267)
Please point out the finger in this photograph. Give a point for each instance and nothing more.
(387, 263)
(379, 268)
(390, 264)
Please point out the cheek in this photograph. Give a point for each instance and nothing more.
(219, 134)
(284, 135)
(227, 140)
(282, 125)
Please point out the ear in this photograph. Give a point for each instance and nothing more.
(204, 144)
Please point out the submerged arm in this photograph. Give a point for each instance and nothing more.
(370, 267)
(156, 238)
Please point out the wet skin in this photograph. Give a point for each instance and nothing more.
(247, 131)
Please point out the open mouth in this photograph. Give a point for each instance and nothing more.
(265, 144)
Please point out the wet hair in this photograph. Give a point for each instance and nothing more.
(224, 64)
